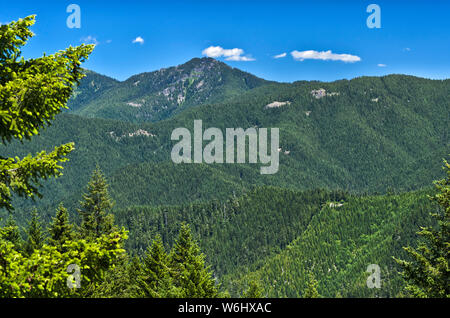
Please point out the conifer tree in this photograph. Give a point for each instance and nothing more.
(120, 281)
(95, 208)
(32, 93)
(60, 230)
(311, 287)
(155, 280)
(10, 232)
(35, 234)
(254, 290)
(190, 272)
(428, 274)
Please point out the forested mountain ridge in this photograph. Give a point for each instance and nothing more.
(90, 88)
(157, 95)
(338, 245)
(276, 236)
(369, 134)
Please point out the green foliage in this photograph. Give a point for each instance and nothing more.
(44, 272)
(156, 277)
(32, 92)
(311, 287)
(181, 273)
(36, 237)
(121, 281)
(60, 229)
(95, 208)
(188, 263)
(22, 175)
(428, 274)
(327, 240)
(254, 290)
(10, 232)
(234, 233)
(337, 244)
(276, 236)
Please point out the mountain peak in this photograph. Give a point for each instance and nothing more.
(156, 95)
(202, 60)
(203, 63)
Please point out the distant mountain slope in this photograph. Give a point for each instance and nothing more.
(158, 95)
(276, 236)
(338, 245)
(370, 134)
(236, 232)
(90, 88)
(367, 134)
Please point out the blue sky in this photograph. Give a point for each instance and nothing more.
(414, 37)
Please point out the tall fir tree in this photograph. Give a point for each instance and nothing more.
(428, 274)
(155, 279)
(121, 281)
(60, 229)
(190, 272)
(95, 207)
(311, 287)
(32, 93)
(35, 235)
(10, 232)
(254, 290)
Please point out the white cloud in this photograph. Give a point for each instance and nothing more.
(407, 49)
(230, 54)
(279, 56)
(217, 51)
(89, 40)
(239, 58)
(324, 56)
(139, 40)
(381, 65)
